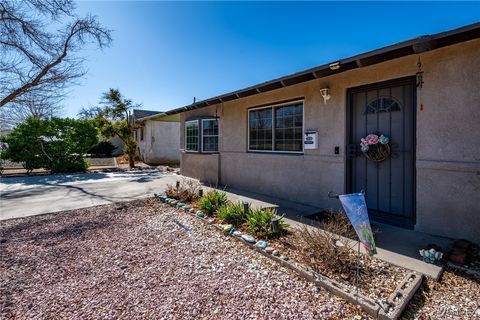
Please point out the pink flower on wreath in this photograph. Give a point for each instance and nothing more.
(372, 139)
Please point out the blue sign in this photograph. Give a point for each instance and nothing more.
(356, 209)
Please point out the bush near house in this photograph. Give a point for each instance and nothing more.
(328, 247)
(233, 214)
(186, 192)
(213, 201)
(57, 144)
(259, 222)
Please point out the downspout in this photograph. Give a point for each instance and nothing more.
(219, 162)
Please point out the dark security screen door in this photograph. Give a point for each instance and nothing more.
(385, 108)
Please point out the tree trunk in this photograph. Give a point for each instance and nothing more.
(131, 161)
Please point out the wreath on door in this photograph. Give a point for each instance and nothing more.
(375, 148)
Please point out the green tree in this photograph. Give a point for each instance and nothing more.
(56, 144)
(114, 120)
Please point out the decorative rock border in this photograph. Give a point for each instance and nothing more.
(390, 309)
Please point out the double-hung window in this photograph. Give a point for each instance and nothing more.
(192, 131)
(276, 128)
(210, 135)
(202, 135)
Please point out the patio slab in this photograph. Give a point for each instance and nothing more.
(395, 245)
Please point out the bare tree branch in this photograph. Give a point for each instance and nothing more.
(33, 59)
(36, 105)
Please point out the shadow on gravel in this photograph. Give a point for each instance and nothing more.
(71, 231)
(33, 229)
(50, 241)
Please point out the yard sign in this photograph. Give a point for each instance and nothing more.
(356, 209)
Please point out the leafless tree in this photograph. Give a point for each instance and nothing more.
(36, 106)
(35, 59)
(90, 113)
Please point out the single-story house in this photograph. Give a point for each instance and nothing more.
(298, 137)
(157, 136)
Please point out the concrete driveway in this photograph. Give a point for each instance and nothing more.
(27, 196)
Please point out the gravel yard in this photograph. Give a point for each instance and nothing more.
(145, 259)
(455, 296)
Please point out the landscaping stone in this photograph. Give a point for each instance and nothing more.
(180, 205)
(284, 258)
(262, 244)
(227, 227)
(186, 208)
(237, 233)
(200, 214)
(275, 252)
(269, 250)
(192, 210)
(248, 238)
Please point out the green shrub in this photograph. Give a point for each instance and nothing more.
(213, 201)
(232, 214)
(57, 144)
(259, 222)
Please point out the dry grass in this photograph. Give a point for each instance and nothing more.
(326, 249)
(330, 251)
(187, 191)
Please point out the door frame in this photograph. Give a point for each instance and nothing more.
(408, 223)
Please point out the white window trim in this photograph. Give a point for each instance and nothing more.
(273, 106)
(201, 135)
(199, 142)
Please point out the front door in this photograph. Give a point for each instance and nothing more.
(386, 108)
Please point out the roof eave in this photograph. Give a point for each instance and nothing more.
(413, 46)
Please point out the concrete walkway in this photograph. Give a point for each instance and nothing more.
(27, 196)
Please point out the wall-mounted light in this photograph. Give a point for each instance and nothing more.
(325, 92)
(334, 66)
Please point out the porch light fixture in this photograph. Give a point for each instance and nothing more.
(325, 92)
(334, 66)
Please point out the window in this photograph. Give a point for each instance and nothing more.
(191, 136)
(278, 128)
(206, 131)
(383, 104)
(260, 129)
(141, 133)
(210, 135)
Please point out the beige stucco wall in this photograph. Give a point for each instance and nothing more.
(161, 142)
(447, 152)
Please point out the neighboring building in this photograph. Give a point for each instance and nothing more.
(158, 136)
(424, 94)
